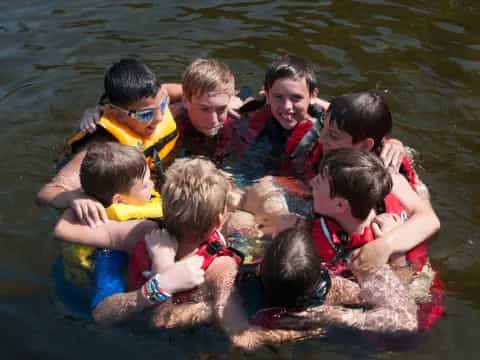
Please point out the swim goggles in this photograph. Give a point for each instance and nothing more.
(144, 115)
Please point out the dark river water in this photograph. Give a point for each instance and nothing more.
(424, 54)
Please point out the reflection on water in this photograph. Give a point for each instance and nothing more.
(425, 55)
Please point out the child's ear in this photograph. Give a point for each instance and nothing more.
(341, 205)
(186, 103)
(117, 199)
(365, 145)
(267, 97)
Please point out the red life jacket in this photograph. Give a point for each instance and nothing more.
(223, 139)
(294, 146)
(140, 261)
(334, 244)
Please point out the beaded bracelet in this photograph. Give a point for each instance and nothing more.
(153, 291)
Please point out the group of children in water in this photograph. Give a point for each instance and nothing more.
(358, 260)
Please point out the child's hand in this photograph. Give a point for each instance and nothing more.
(89, 211)
(90, 118)
(383, 223)
(283, 222)
(162, 248)
(320, 102)
(392, 154)
(370, 256)
(183, 275)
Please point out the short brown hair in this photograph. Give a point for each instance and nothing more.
(111, 168)
(194, 194)
(358, 176)
(205, 76)
(362, 115)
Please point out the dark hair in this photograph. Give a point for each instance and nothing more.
(292, 272)
(358, 176)
(290, 67)
(129, 80)
(362, 114)
(111, 168)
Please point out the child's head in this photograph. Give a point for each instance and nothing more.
(116, 173)
(208, 86)
(292, 273)
(194, 197)
(349, 182)
(359, 120)
(133, 96)
(290, 82)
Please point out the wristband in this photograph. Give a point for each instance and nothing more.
(153, 292)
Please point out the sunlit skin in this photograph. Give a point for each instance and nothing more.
(208, 112)
(140, 192)
(289, 100)
(142, 129)
(331, 138)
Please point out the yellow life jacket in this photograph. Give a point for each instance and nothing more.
(78, 259)
(156, 147)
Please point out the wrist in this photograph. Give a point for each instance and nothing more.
(154, 292)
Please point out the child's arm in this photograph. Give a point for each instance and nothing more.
(181, 276)
(228, 311)
(174, 91)
(393, 308)
(112, 234)
(343, 292)
(65, 186)
(171, 315)
(422, 224)
(162, 248)
(64, 191)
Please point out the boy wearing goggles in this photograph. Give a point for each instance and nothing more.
(136, 113)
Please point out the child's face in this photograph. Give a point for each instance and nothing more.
(289, 100)
(322, 201)
(208, 112)
(144, 129)
(331, 137)
(140, 192)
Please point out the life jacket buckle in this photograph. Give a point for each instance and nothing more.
(214, 247)
(237, 253)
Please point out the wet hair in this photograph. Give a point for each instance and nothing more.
(204, 76)
(292, 273)
(362, 114)
(291, 67)
(111, 168)
(194, 194)
(127, 81)
(358, 176)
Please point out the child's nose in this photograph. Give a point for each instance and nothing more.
(288, 104)
(213, 118)
(157, 118)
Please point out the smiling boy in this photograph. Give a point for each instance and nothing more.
(136, 113)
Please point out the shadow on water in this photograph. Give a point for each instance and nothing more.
(424, 55)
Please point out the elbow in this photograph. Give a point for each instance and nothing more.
(436, 223)
(42, 198)
(98, 317)
(59, 231)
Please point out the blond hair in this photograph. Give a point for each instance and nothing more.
(205, 76)
(194, 195)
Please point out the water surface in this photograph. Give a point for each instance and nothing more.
(425, 56)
